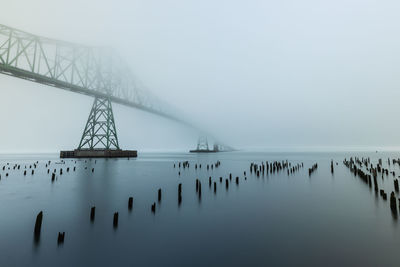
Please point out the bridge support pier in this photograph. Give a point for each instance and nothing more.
(99, 138)
(202, 146)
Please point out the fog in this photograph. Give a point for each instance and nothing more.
(255, 74)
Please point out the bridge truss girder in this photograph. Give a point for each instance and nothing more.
(94, 71)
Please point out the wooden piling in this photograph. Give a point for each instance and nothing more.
(130, 203)
(199, 189)
(60, 238)
(179, 194)
(115, 220)
(92, 213)
(393, 205)
(38, 225)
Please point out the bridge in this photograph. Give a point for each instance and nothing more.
(94, 71)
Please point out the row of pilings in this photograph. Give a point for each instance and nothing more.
(256, 169)
(368, 173)
(274, 167)
(52, 168)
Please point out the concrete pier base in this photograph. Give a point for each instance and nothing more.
(99, 153)
(203, 151)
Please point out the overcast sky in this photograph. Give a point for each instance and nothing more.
(257, 74)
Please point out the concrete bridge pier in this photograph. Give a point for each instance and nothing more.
(99, 138)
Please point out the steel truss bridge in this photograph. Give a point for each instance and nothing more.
(93, 71)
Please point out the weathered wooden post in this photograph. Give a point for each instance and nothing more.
(393, 205)
(60, 238)
(115, 220)
(92, 213)
(130, 203)
(38, 225)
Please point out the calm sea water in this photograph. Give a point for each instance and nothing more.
(274, 220)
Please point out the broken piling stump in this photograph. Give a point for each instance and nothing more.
(38, 225)
(92, 213)
(60, 238)
(393, 205)
(115, 220)
(130, 203)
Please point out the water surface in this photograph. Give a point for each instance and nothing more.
(271, 220)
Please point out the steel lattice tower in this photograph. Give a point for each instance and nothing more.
(202, 143)
(100, 131)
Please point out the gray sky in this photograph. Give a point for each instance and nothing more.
(255, 73)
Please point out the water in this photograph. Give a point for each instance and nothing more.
(275, 220)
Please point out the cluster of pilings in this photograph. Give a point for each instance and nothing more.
(153, 206)
(54, 172)
(295, 168)
(92, 216)
(186, 165)
(265, 167)
(312, 169)
(395, 161)
(258, 169)
(370, 174)
(275, 166)
(29, 169)
(366, 178)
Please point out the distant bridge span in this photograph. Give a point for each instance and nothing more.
(92, 71)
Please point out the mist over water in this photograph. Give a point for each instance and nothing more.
(252, 73)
